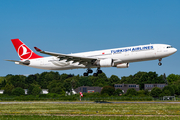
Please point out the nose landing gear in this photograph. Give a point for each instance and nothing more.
(160, 62)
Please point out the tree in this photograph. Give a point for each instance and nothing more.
(150, 77)
(30, 79)
(118, 92)
(101, 80)
(127, 80)
(178, 87)
(18, 91)
(67, 85)
(46, 77)
(113, 80)
(172, 78)
(146, 92)
(93, 79)
(170, 89)
(3, 84)
(166, 93)
(36, 91)
(56, 86)
(8, 89)
(17, 81)
(63, 77)
(142, 78)
(108, 90)
(85, 81)
(141, 93)
(137, 76)
(131, 92)
(175, 87)
(155, 92)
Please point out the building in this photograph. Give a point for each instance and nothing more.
(151, 86)
(125, 87)
(87, 89)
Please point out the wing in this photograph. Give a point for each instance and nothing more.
(74, 58)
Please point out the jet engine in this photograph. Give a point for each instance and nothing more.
(122, 65)
(104, 63)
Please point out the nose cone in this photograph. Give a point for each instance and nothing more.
(171, 51)
(174, 50)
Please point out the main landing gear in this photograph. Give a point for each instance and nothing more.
(88, 71)
(98, 71)
(160, 62)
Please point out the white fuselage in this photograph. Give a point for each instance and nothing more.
(119, 55)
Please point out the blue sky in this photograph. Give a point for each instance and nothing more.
(79, 26)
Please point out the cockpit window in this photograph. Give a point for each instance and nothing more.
(169, 47)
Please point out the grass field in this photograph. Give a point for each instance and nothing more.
(79, 111)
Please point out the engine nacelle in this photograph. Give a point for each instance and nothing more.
(104, 63)
(122, 65)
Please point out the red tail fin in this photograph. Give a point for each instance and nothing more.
(23, 51)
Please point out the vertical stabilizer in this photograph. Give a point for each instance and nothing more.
(23, 51)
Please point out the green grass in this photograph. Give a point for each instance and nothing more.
(152, 111)
(91, 109)
(35, 117)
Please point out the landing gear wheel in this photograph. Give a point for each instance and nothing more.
(99, 71)
(85, 74)
(160, 59)
(89, 71)
(95, 74)
(159, 63)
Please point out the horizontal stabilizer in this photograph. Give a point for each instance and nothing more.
(27, 62)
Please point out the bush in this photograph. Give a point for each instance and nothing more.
(8, 89)
(36, 91)
(108, 90)
(96, 94)
(170, 89)
(146, 92)
(166, 93)
(118, 92)
(141, 93)
(53, 95)
(155, 92)
(131, 92)
(175, 87)
(18, 91)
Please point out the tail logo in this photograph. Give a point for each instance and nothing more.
(24, 52)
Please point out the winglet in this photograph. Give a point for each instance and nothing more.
(37, 49)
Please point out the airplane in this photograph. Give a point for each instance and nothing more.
(116, 57)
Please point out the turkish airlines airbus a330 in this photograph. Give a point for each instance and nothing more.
(116, 57)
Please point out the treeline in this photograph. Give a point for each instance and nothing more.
(59, 84)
